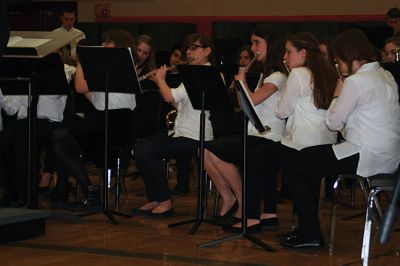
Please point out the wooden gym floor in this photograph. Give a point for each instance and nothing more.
(144, 241)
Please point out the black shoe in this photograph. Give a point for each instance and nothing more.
(91, 202)
(167, 214)
(180, 190)
(139, 212)
(255, 228)
(270, 223)
(232, 211)
(225, 221)
(294, 234)
(300, 243)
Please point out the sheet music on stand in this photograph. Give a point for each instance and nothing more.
(100, 63)
(248, 107)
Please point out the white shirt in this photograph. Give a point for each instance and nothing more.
(115, 101)
(187, 123)
(49, 107)
(8, 105)
(266, 110)
(75, 42)
(368, 110)
(305, 124)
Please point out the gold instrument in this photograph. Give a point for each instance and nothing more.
(396, 53)
(170, 119)
(246, 68)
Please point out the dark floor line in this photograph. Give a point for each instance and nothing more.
(130, 254)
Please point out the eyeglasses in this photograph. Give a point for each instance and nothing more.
(195, 46)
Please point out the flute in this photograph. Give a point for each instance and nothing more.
(286, 66)
(171, 68)
(246, 68)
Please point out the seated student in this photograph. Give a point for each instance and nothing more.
(366, 106)
(391, 50)
(303, 102)
(222, 154)
(144, 54)
(49, 118)
(87, 136)
(183, 144)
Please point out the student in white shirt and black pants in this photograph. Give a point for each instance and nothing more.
(366, 107)
(303, 102)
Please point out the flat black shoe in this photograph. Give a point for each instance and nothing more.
(231, 211)
(270, 223)
(139, 212)
(166, 214)
(289, 235)
(300, 243)
(225, 221)
(255, 228)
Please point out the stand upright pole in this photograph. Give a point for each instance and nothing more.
(201, 186)
(244, 232)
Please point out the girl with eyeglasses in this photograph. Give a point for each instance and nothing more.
(183, 144)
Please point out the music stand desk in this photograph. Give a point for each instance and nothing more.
(109, 70)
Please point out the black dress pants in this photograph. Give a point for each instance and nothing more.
(302, 173)
(149, 154)
(263, 165)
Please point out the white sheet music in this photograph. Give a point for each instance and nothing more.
(17, 41)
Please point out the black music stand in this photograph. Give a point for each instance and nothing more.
(109, 70)
(33, 77)
(249, 114)
(206, 91)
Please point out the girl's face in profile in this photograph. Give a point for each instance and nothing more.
(293, 57)
(259, 45)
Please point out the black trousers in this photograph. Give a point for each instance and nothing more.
(303, 172)
(149, 155)
(263, 165)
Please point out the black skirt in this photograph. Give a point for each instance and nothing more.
(230, 148)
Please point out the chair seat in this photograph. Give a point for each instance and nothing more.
(382, 180)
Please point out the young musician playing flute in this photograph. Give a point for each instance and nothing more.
(222, 155)
(151, 152)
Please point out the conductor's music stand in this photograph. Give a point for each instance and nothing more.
(109, 70)
(206, 91)
(249, 114)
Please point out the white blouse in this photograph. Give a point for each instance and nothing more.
(368, 110)
(305, 124)
(187, 123)
(115, 101)
(266, 110)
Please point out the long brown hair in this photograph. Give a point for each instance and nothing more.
(359, 49)
(324, 77)
(120, 37)
(151, 60)
(275, 49)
